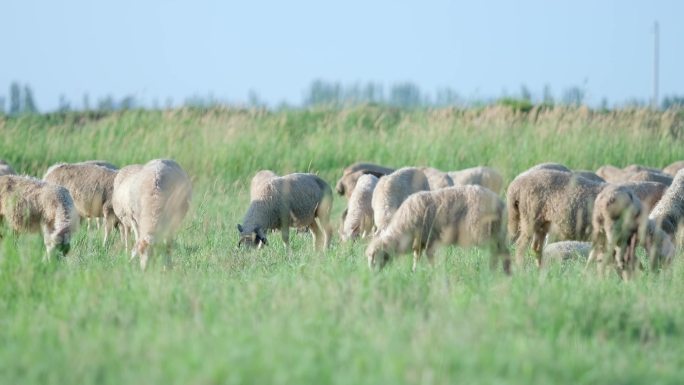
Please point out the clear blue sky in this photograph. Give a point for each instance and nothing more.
(161, 49)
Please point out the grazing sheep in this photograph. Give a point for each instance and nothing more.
(589, 175)
(351, 174)
(393, 189)
(91, 188)
(559, 167)
(258, 180)
(668, 214)
(543, 201)
(32, 205)
(155, 199)
(461, 215)
(437, 179)
(672, 168)
(293, 200)
(633, 173)
(616, 221)
(359, 218)
(480, 175)
(6, 169)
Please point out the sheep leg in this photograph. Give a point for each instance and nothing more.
(416, 255)
(521, 245)
(538, 245)
(316, 235)
(285, 234)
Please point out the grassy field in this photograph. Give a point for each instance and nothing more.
(222, 315)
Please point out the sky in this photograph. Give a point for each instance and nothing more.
(168, 50)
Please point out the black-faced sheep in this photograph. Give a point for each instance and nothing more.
(32, 205)
(359, 218)
(480, 175)
(91, 187)
(460, 215)
(392, 190)
(156, 198)
(293, 200)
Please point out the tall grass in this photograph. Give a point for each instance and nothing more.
(223, 315)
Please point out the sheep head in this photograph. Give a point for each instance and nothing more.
(252, 238)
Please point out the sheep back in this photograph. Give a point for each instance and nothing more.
(392, 190)
(359, 217)
(480, 175)
(259, 179)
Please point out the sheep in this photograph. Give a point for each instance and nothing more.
(293, 200)
(156, 197)
(480, 175)
(559, 167)
(258, 180)
(461, 215)
(617, 219)
(6, 169)
(668, 214)
(543, 201)
(359, 218)
(437, 179)
(672, 168)
(29, 205)
(345, 185)
(633, 172)
(393, 189)
(589, 175)
(91, 188)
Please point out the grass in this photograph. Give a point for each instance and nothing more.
(228, 316)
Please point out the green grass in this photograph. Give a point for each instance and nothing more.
(228, 316)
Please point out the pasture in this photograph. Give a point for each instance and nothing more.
(223, 315)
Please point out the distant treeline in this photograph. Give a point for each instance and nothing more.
(332, 94)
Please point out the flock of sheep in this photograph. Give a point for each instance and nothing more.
(603, 216)
(150, 200)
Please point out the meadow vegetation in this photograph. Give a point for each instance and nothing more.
(223, 315)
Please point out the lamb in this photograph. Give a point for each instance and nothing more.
(567, 250)
(258, 180)
(359, 218)
(6, 169)
(393, 189)
(672, 168)
(91, 187)
(29, 205)
(668, 214)
(616, 221)
(351, 175)
(543, 200)
(480, 175)
(153, 200)
(461, 215)
(293, 200)
(437, 179)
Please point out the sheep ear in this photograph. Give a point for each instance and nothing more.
(239, 227)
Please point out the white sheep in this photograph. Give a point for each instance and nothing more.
(393, 189)
(91, 187)
(31, 205)
(480, 175)
(6, 169)
(351, 174)
(460, 215)
(672, 168)
(293, 200)
(152, 200)
(359, 218)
